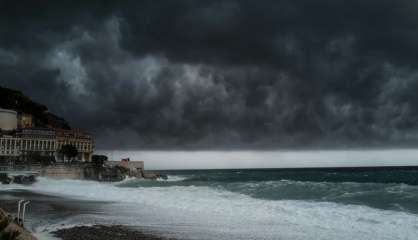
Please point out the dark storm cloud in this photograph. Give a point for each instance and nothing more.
(220, 74)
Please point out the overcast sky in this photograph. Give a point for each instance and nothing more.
(220, 74)
(168, 160)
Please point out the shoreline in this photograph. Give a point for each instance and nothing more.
(45, 211)
(227, 205)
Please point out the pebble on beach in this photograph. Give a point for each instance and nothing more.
(100, 232)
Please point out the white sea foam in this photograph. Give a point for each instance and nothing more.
(207, 213)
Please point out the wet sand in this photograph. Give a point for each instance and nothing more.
(100, 232)
(45, 210)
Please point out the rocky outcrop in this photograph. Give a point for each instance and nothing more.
(117, 173)
(104, 173)
(19, 179)
(10, 230)
(153, 175)
(5, 179)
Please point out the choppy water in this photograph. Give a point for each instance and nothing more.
(256, 204)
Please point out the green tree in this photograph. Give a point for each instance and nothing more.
(69, 151)
(34, 157)
(47, 160)
(98, 160)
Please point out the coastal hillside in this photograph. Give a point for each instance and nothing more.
(16, 100)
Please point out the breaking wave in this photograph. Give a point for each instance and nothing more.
(280, 209)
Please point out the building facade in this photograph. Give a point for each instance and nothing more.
(9, 146)
(20, 140)
(37, 141)
(83, 141)
(25, 120)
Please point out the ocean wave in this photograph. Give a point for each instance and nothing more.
(204, 212)
(386, 196)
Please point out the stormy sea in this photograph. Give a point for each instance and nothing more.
(308, 204)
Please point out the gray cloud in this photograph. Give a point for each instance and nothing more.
(220, 74)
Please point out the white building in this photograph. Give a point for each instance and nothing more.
(83, 141)
(40, 141)
(9, 146)
(28, 141)
(8, 120)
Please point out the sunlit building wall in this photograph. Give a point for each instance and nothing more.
(8, 120)
(25, 120)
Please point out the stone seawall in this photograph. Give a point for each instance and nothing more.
(60, 171)
(110, 171)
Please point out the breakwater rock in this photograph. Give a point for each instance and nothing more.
(118, 173)
(153, 175)
(10, 230)
(17, 178)
(104, 173)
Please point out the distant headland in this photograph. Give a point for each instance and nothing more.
(19, 102)
(29, 132)
(35, 140)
